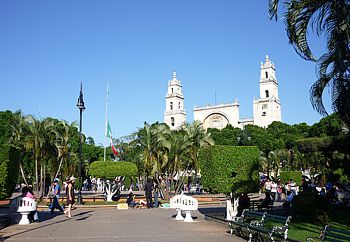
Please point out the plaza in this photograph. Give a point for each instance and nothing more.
(110, 224)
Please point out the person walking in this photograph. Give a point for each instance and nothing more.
(156, 194)
(70, 200)
(56, 196)
(273, 191)
(148, 192)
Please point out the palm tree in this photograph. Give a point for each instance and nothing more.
(40, 137)
(62, 142)
(19, 131)
(151, 139)
(330, 19)
(194, 137)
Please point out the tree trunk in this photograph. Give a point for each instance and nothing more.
(181, 181)
(36, 177)
(22, 173)
(232, 209)
(44, 182)
(109, 192)
(41, 181)
(59, 168)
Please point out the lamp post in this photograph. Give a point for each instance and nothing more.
(244, 137)
(81, 108)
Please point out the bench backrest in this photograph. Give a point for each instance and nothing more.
(26, 204)
(175, 201)
(189, 203)
(248, 214)
(332, 234)
(278, 219)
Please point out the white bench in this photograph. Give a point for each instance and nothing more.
(188, 204)
(175, 202)
(25, 205)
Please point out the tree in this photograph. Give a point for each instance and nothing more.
(19, 131)
(230, 169)
(328, 126)
(331, 20)
(64, 134)
(9, 156)
(109, 170)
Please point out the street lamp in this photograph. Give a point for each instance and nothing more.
(81, 107)
(244, 137)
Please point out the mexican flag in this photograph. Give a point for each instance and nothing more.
(109, 135)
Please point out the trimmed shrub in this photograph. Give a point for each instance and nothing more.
(327, 143)
(9, 167)
(229, 168)
(295, 175)
(311, 207)
(110, 169)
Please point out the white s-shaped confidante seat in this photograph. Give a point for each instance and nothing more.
(188, 204)
(175, 202)
(25, 206)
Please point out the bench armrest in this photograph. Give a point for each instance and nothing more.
(256, 223)
(312, 239)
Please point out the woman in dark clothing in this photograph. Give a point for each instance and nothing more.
(70, 199)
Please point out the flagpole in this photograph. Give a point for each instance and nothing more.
(104, 152)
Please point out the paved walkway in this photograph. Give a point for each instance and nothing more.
(110, 224)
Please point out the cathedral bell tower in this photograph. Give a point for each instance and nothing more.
(268, 107)
(174, 115)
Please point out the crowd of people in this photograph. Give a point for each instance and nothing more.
(27, 191)
(276, 190)
(152, 191)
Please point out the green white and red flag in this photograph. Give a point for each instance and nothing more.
(109, 131)
(109, 135)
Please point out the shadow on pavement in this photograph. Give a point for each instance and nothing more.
(46, 216)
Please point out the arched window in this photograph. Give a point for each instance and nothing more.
(172, 90)
(179, 106)
(172, 121)
(171, 105)
(267, 93)
(266, 74)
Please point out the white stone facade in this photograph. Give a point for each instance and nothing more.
(218, 116)
(266, 109)
(174, 115)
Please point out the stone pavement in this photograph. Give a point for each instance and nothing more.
(110, 224)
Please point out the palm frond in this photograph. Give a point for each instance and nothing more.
(273, 8)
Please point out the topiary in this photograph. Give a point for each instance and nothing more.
(226, 169)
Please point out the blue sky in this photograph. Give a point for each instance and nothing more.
(48, 47)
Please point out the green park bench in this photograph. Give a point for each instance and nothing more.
(239, 225)
(332, 234)
(272, 226)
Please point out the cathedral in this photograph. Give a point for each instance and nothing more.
(266, 109)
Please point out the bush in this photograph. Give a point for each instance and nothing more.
(295, 175)
(9, 167)
(311, 207)
(110, 169)
(229, 168)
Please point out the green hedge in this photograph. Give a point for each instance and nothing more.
(295, 175)
(9, 167)
(110, 169)
(229, 168)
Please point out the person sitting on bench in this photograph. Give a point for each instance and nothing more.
(243, 203)
(266, 202)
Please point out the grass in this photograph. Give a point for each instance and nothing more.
(302, 230)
